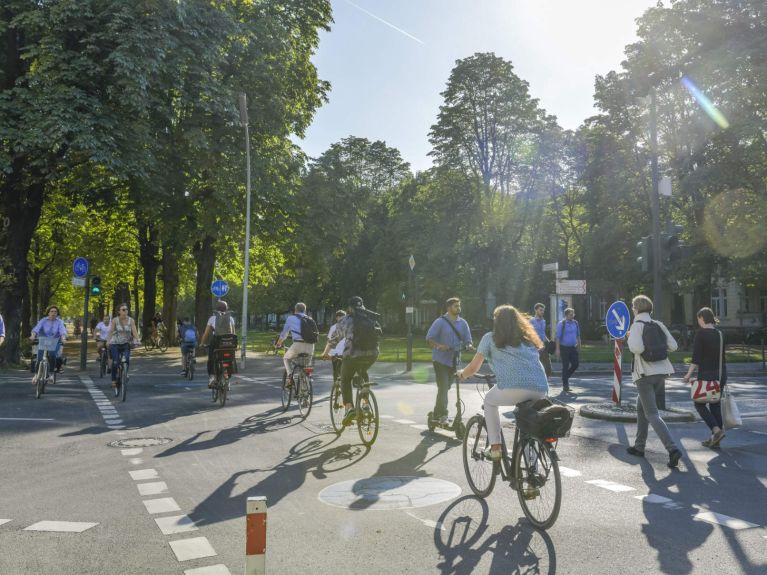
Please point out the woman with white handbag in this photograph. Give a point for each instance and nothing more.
(708, 360)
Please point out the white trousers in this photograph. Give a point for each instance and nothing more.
(294, 350)
(497, 397)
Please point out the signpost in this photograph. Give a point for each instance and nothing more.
(617, 322)
(80, 268)
(571, 287)
(219, 288)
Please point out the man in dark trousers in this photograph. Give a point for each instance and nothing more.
(568, 335)
(446, 336)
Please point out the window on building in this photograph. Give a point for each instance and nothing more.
(719, 302)
(602, 308)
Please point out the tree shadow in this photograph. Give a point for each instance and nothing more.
(289, 475)
(516, 549)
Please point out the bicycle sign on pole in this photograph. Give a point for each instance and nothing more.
(617, 322)
(219, 288)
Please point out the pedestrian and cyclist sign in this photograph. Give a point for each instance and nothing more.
(618, 320)
(219, 288)
(80, 267)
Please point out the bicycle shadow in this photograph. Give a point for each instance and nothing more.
(460, 539)
(406, 468)
(318, 457)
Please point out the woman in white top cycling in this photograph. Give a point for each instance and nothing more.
(511, 349)
(122, 330)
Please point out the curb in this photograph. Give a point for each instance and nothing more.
(626, 413)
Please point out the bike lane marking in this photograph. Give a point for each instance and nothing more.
(61, 526)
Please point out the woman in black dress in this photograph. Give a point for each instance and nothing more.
(708, 360)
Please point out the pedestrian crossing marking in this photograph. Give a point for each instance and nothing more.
(194, 548)
(141, 474)
(175, 524)
(155, 488)
(60, 526)
(132, 451)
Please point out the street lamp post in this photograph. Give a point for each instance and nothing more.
(657, 291)
(410, 314)
(246, 280)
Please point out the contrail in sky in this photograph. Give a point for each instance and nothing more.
(382, 21)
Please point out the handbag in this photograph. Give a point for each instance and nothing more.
(731, 414)
(550, 346)
(710, 391)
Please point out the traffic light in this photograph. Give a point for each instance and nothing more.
(644, 253)
(671, 246)
(96, 285)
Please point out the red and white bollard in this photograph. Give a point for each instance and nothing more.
(617, 371)
(255, 536)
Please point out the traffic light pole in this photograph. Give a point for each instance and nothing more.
(84, 334)
(657, 293)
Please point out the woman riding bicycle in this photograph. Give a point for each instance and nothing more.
(50, 326)
(511, 349)
(122, 330)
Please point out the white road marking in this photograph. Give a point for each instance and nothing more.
(142, 474)
(4, 521)
(136, 460)
(428, 522)
(132, 451)
(116, 426)
(567, 472)
(195, 548)
(113, 422)
(163, 505)
(610, 485)
(760, 432)
(155, 488)
(420, 426)
(60, 526)
(175, 524)
(212, 570)
(404, 421)
(724, 520)
(653, 498)
(386, 416)
(26, 419)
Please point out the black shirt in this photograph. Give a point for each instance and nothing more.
(705, 354)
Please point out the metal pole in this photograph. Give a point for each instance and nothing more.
(244, 328)
(84, 335)
(410, 317)
(657, 293)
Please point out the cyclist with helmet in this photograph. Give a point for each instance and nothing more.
(220, 323)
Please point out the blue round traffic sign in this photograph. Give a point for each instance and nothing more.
(219, 288)
(618, 320)
(80, 267)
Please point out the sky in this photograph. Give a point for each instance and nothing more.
(389, 60)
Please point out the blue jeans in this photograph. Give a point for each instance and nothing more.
(117, 349)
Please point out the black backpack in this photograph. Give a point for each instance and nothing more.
(309, 331)
(654, 340)
(366, 330)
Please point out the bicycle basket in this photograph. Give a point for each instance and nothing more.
(45, 343)
(545, 418)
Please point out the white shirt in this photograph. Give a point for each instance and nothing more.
(102, 329)
(338, 350)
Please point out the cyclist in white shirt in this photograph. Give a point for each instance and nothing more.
(221, 316)
(101, 331)
(337, 353)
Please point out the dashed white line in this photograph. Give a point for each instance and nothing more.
(194, 548)
(132, 451)
(653, 498)
(420, 426)
(175, 524)
(136, 460)
(163, 505)
(610, 485)
(724, 520)
(567, 472)
(60, 526)
(26, 419)
(404, 421)
(211, 570)
(154, 488)
(759, 432)
(142, 474)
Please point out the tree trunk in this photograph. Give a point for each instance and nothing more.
(170, 284)
(205, 256)
(136, 308)
(148, 256)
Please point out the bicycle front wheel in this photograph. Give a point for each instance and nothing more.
(367, 416)
(304, 395)
(124, 383)
(42, 375)
(163, 344)
(287, 391)
(102, 364)
(336, 407)
(223, 391)
(148, 344)
(480, 471)
(539, 486)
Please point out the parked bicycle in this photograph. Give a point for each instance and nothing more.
(45, 368)
(365, 404)
(532, 467)
(300, 384)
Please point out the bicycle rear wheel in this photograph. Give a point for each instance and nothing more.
(480, 471)
(102, 363)
(304, 394)
(163, 344)
(190, 365)
(148, 344)
(124, 382)
(367, 416)
(336, 407)
(223, 390)
(287, 391)
(539, 486)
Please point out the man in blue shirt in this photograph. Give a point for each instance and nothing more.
(568, 344)
(292, 328)
(446, 336)
(539, 323)
(2, 330)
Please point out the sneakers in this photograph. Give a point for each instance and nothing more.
(492, 455)
(717, 437)
(349, 416)
(211, 382)
(634, 451)
(673, 458)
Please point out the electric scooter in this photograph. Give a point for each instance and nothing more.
(454, 424)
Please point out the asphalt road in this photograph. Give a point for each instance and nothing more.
(335, 507)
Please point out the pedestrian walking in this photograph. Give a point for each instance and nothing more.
(568, 338)
(709, 362)
(447, 336)
(650, 342)
(2, 330)
(539, 323)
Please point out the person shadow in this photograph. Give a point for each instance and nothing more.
(460, 537)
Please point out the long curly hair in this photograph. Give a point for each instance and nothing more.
(512, 327)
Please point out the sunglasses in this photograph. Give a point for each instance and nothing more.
(123, 309)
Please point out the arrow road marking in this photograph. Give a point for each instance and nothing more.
(619, 320)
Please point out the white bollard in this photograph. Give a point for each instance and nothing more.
(255, 536)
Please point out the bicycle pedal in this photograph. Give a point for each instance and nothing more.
(531, 493)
